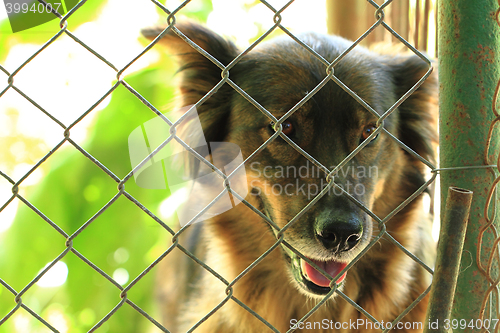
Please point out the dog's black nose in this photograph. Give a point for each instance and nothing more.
(339, 235)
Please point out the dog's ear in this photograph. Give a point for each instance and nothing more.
(199, 74)
(419, 112)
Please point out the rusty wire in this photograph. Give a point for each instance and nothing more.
(329, 76)
(490, 213)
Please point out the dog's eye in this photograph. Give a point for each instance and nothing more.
(367, 131)
(288, 128)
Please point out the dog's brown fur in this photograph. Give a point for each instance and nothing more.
(277, 75)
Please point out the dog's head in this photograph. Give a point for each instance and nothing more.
(328, 127)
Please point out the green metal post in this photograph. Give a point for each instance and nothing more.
(469, 69)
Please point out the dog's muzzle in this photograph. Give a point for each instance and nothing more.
(335, 237)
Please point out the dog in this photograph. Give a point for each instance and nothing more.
(331, 230)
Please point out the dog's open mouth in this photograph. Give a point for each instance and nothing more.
(311, 279)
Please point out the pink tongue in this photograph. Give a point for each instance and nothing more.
(331, 267)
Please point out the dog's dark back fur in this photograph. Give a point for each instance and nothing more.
(277, 75)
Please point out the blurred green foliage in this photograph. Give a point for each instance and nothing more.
(74, 191)
(121, 238)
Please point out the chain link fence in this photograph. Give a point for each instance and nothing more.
(122, 291)
(491, 254)
(485, 251)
